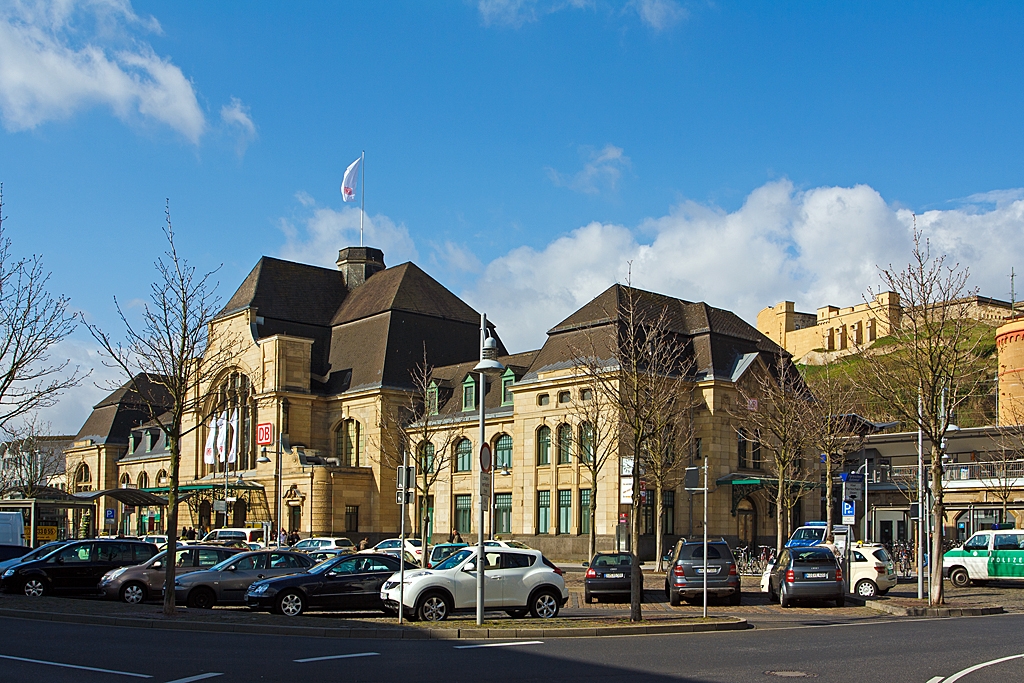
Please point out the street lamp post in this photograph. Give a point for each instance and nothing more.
(283, 444)
(488, 365)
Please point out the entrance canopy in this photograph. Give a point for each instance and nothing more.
(135, 497)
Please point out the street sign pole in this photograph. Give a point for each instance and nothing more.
(402, 481)
(483, 476)
(705, 535)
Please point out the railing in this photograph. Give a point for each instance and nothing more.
(965, 471)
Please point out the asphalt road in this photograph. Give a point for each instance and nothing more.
(897, 651)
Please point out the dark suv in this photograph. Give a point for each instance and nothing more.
(74, 568)
(684, 579)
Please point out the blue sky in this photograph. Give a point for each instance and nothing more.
(521, 152)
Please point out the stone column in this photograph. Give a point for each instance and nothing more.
(321, 502)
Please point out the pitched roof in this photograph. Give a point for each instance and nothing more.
(452, 376)
(289, 291)
(113, 418)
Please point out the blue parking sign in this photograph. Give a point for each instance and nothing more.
(110, 514)
(849, 508)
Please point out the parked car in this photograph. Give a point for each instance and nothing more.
(349, 582)
(806, 572)
(987, 555)
(441, 552)
(246, 534)
(227, 582)
(324, 543)
(684, 578)
(498, 543)
(517, 581)
(809, 534)
(77, 567)
(41, 551)
(155, 539)
(607, 574)
(413, 545)
(409, 557)
(319, 556)
(872, 571)
(141, 582)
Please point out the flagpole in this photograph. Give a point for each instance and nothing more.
(362, 201)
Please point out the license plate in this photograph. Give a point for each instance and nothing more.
(619, 575)
(816, 575)
(711, 570)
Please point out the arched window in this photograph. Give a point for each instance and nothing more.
(348, 443)
(426, 457)
(503, 452)
(83, 478)
(463, 455)
(564, 444)
(126, 481)
(544, 445)
(234, 399)
(143, 482)
(161, 478)
(586, 442)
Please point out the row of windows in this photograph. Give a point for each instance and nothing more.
(143, 480)
(503, 512)
(564, 446)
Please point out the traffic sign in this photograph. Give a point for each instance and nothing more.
(403, 497)
(485, 458)
(485, 487)
(265, 434)
(110, 515)
(849, 512)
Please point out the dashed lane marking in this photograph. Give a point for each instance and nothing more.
(509, 644)
(348, 656)
(74, 666)
(197, 677)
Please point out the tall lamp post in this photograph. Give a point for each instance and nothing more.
(283, 444)
(488, 365)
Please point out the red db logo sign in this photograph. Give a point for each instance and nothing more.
(265, 434)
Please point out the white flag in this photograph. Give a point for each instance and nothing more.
(222, 435)
(348, 183)
(211, 440)
(234, 437)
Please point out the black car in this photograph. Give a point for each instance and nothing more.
(608, 574)
(349, 582)
(806, 572)
(75, 568)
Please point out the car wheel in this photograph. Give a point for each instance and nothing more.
(866, 588)
(291, 604)
(960, 578)
(517, 613)
(841, 601)
(34, 587)
(133, 593)
(587, 597)
(772, 596)
(784, 599)
(544, 605)
(433, 607)
(673, 598)
(201, 598)
(736, 599)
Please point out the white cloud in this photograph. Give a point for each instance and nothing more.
(455, 257)
(815, 247)
(601, 171)
(659, 14)
(62, 57)
(324, 231)
(236, 116)
(515, 13)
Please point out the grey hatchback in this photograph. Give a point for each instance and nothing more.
(140, 582)
(809, 572)
(684, 579)
(227, 582)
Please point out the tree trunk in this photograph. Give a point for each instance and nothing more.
(935, 592)
(636, 586)
(658, 542)
(172, 525)
(829, 536)
(780, 507)
(593, 519)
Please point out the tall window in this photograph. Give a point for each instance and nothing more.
(503, 452)
(564, 511)
(426, 463)
(432, 399)
(468, 393)
(348, 443)
(668, 512)
(543, 512)
(352, 518)
(143, 480)
(83, 479)
(464, 513)
(698, 455)
(161, 478)
(741, 449)
(503, 513)
(755, 454)
(126, 481)
(507, 380)
(586, 441)
(544, 445)
(463, 455)
(584, 511)
(564, 444)
(235, 395)
(647, 514)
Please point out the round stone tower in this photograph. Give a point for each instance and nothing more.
(1010, 347)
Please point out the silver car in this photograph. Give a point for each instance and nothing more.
(810, 572)
(140, 582)
(227, 582)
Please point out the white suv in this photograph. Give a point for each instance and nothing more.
(517, 581)
(872, 571)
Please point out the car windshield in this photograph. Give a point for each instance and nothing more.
(611, 560)
(414, 541)
(807, 534)
(224, 563)
(324, 565)
(455, 560)
(813, 556)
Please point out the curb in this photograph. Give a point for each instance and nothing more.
(882, 605)
(412, 633)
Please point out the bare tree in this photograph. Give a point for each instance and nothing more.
(32, 323)
(773, 414)
(31, 459)
(599, 426)
(175, 348)
(933, 363)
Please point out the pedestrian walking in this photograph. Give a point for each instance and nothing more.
(364, 544)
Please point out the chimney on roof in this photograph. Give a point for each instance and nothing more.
(357, 264)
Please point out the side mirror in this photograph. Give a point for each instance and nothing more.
(586, 564)
(471, 567)
(157, 564)
(232, 568)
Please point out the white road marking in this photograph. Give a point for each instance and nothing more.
(197, 677)
(514, 642)
(321, 659)
(960, 674)
(935, 679)
(74, 666)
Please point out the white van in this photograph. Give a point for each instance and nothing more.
(995, 554)
(12, 528)
(249, 535)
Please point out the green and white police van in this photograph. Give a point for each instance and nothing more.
(987, 555)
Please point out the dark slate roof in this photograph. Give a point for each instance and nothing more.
(289, 291)
(404, 288)
(449, 379)
(123, 409)
(719, 341)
